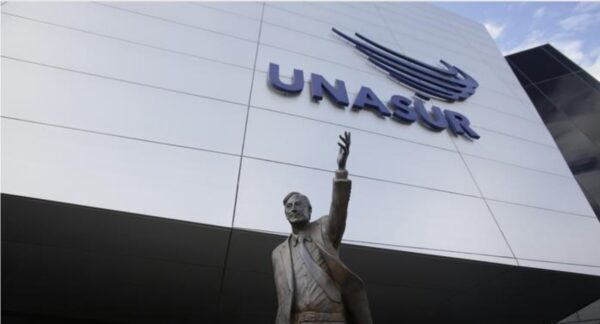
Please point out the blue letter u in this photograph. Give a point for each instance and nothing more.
(297, 80)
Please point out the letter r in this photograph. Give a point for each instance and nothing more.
(459, 124)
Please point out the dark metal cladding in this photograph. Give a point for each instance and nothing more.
(449, 84)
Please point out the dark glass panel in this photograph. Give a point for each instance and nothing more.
(590, 312)
(577, 149)
(589, 124)
(570, 108)
(571, 94)
(545, 108)
(590, 80)
(537, 65)
(560, 127)
(590, 184)
(520, 76)
(561, 58)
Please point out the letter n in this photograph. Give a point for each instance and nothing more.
(338, 94)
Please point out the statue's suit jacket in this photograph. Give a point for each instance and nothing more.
(350, 285)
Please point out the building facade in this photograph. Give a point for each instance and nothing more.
(568, 100)
(146, 153)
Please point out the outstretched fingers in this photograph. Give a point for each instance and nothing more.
(345, 139)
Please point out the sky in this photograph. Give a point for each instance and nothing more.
(573, 28)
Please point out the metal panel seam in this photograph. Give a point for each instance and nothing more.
(237, 186)
(486, 203)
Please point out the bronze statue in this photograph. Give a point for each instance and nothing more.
(313, 285)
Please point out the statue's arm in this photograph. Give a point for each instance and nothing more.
(341, 194)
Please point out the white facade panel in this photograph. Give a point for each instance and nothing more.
(498, 121)
(510, 183)
(349, 13)
(394, 163)
(442, 19)
(311, 46)
(166, 82)
(382, 213)
(55, 46)
(489, 97)
(418, 42)
(92, 17)
(195, 16)
(276, 15)
(247, 9)
(121, 174)
(559, 237)
(335, 19)
(55, 96)
(358, 10)
(408, 21)
(503, 148)
(362, 7)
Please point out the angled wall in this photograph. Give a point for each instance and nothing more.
(568, 100)
(164, 110)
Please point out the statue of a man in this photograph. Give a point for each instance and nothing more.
(313, 285)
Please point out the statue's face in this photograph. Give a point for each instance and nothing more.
(297, 209)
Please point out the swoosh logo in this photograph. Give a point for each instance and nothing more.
(449, 83)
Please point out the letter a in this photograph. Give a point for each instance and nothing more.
(367, 99)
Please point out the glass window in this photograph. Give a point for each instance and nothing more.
(561, 58)
(522, 78)
(538, 65)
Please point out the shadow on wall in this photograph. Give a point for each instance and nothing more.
(64, 263)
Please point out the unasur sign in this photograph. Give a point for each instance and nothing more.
(450, 84)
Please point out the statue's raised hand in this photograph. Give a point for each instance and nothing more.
(344, 150)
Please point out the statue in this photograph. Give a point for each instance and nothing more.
(313, 285)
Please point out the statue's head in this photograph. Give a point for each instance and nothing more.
(297, 208)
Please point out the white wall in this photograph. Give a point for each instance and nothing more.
(164, 109)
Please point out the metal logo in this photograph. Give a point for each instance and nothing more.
(449, 84)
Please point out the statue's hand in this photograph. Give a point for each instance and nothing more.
(344, 150)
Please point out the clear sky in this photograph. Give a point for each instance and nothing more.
(571, 27)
